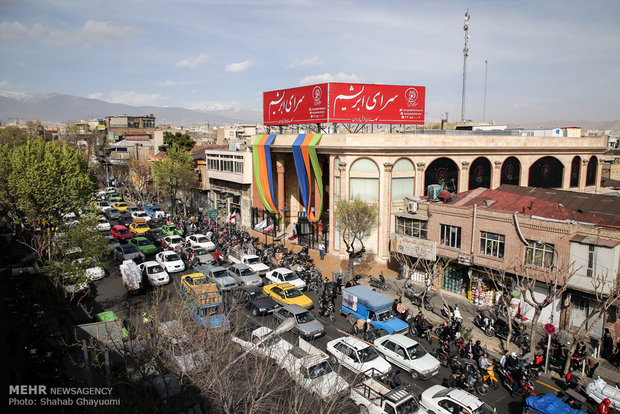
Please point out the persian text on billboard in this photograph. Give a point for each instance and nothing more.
(414, 247)
(303, 105)
(376, 104)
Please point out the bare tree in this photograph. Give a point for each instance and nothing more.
(607, 294)
(140, 176)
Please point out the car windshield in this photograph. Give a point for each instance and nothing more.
(175, 240)
(367, 354)
(258, 295)
(304, 317)
(384, 316)
(202, 240)
(155, 208)
(103, 221)
(408, 407)
(252, 260)
(143, 242)
(130, 248)
(200, 251)
(141, 226)
(140, 214)
(289, 276)
(484, 409)
(219, 273)
(293, 293)
(172, 257)
(416, 351)
(122, 231)
(172, 228)
(246, 272)
(155, 232)
(319, 370)
(155, 269)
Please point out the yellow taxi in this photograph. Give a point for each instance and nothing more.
(287, 294)
(120, 205)
(139, 227)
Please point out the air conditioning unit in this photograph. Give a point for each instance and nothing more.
(412, 207)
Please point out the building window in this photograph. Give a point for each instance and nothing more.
(411, 227)
(337, 187)
(539, 254)
(402, 179)
(451, 236)
(492, 244)
(591, 261)
(364, 181)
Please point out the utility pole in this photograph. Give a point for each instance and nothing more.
(484, 105)
(465, 55)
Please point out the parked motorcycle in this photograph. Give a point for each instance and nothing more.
(452, 313)
(419, 297)
(486, 323)
(520, 336)
(447, 331)
(415, 330)
(378, 283)
(327, 309)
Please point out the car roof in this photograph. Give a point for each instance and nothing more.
(461, 396)
(198, 235)
(168, 253)
(295, 309)
(240, 266)
(216, 268)
(283, 270)
(140, 238)
(150, 263)
(285, 286)
(250, 289)
(355, 343)
(119, 227)
(401, 340)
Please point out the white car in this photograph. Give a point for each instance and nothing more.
(141, 214)
(155, 273)
(441, 400)
(284, 275)
(184, 354)
(172, 242)
(104, 205)
(170, 261)
(92, 272)
(408, 355)
(103, 224)
(357, 356)
(200, 240)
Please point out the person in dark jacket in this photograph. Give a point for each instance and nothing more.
(477, 350)
(608, 345)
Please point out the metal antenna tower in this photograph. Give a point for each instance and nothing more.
(484, 105)
(465, 55)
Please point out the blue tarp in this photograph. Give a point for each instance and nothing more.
(550, 403)
(372, 300)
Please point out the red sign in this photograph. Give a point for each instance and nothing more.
(303, 105)
(356, 103)
(549, 328)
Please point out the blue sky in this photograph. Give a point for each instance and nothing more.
(547, 60)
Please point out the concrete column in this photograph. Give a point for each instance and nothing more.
(419, 179)
(344, 195)
(385, 207)
(583, 173)
(599, 174)
(464, 176)
(496, 177)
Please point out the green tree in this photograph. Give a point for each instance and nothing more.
(175, 176)
(13, 135)
(39, 182)
(184, 141)
(355, 221)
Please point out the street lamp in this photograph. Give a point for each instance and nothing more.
(555, 287)
(285, 326)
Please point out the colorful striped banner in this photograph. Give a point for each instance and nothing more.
(263, 175)
(306, 162)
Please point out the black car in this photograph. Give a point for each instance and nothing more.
(155, 235)
(255, 299)
(125, 219)
(112, 214)
(157, 222)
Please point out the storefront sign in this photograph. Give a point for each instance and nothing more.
(414, 247)
(464, 260)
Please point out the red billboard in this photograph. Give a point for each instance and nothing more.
(356, 103)
(303, 105)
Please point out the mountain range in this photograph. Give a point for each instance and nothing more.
(57, 109)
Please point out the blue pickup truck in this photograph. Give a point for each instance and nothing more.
(154, 211)
(360, 302)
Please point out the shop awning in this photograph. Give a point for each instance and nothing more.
(418, 216)
(595, 241)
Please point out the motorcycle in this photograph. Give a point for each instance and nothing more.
(520, 337)
(419, 297)
(452, 312)
(446, 360)
(378, 283)
(327, 309)
(425, 333)
(446, 330)
(478, 385)
(488, 377)
(526, 388)
(486, 323)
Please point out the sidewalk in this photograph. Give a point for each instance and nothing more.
(493, 345)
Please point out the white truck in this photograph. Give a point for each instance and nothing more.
(131, 275)
(306, 364)
(374, 397)
(252, 260)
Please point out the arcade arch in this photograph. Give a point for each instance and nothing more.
(547, 172)
(442, 171)
(511, 171)
(480, 173)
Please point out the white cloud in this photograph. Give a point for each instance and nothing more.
(328, 77)
(3, 84)
(167, 83)
(193, 62)
(95, 95)
(105, 33)
(313, 61)
(134, 98)
(211, 105)
(239, 67)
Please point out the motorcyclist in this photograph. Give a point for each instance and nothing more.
(477, 350)
(603, 407)
(470, 374)
(512, 362)
(484, 363)
(422, 324)
(469, 349)
(517, 378)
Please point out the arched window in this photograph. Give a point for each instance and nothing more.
(337, 178)
(402, 179)
(511, 171)
(575, 168)
(591, 173)
(442, 171)
(480, 173)
(364, 180)
(547, 172)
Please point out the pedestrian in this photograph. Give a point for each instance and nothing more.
(608, 345)
(395, 306)
(397, 380)
(504, 358)
(322, 250)
(294, 230)
(603, 407)
(591, 365)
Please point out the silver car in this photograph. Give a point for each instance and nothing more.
(221, 278)
(244, 275)
(306, 325)
(128, 252)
